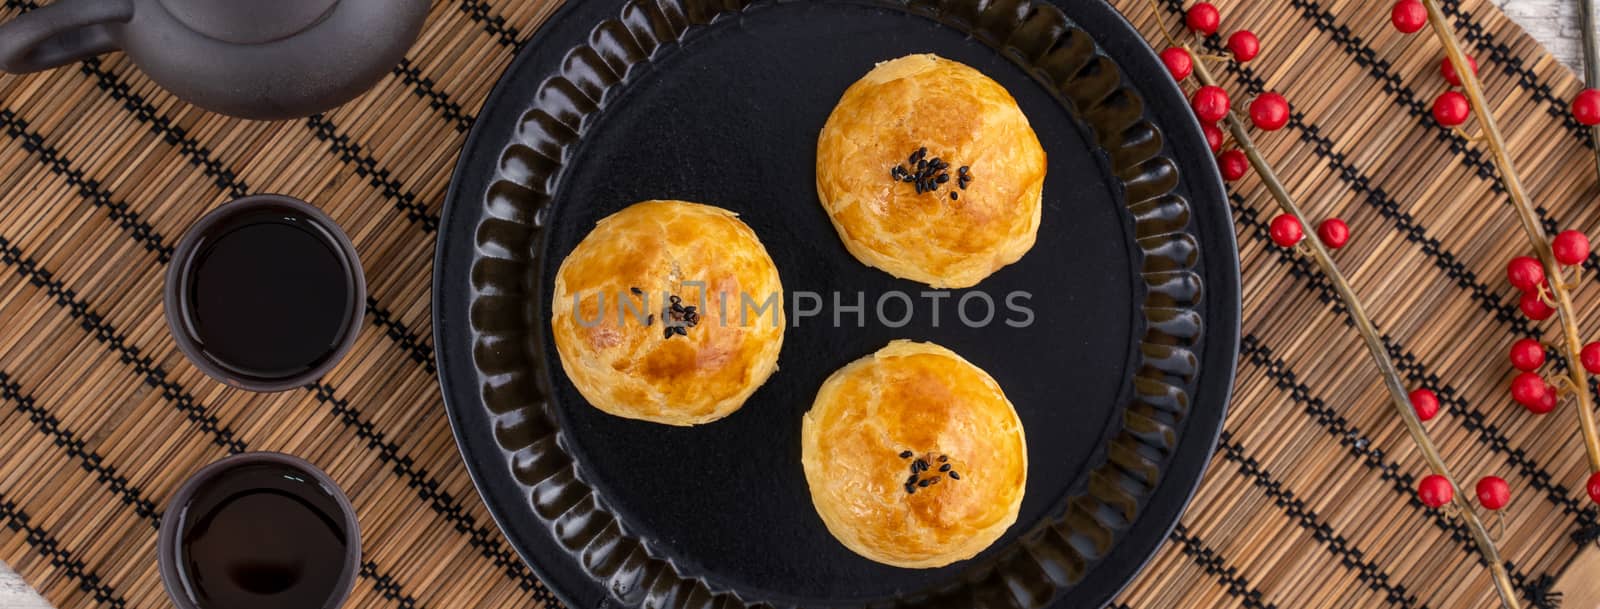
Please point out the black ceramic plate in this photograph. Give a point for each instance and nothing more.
(1121, 380)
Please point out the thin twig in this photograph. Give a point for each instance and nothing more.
(1375, 347)
(1530, 225)
(1591, 64)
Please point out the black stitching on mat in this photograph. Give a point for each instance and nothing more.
(350, 152)
(398, 332)
(145, 112)
(130, 494)
(418, 478)
(1442, 258)
(504, 34)
(95, 324)
(87, 187)
(426, 487)
(1379, 199)
(90, 460)
(365, 166)
(1500, 54)
(197, 154)
(1359, 445)
(386, 585)
(423, 87)
(46, 545)
(1410, 229)
(153, 241)
(1471, 418)
(1217, 566)
(1380, 70)
(1367, 571)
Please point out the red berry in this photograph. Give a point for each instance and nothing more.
(1269, 111)
(1525, 273)
(1586, 107)
(1286, 230)
(1571, 247)
(1449, 70)
(1213, 136)
(1334, 233)
(1409, 16)
(1534, 308)
(1594, 487)
(1451, 108)
(1425, 403)
(1546, 403)
(1178, 62)
(1435, 491)
(1493, 492)
(1210, 103)
(1203, 18)
(1245, 45)
(1528, 354)
(1233, 165)
(1590, 358)
(1528, 389)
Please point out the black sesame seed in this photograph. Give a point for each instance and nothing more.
(675, 299)
(666, 332)
(682, 331)
(944, 458)
(924, 483)
(651, 319)
(911, 489)
(912, 479)
(636, 291)
(955, 476)
(922, 166)
(943, 177)
(944, 468)
(906, 455)
(955, 196)
(914, 470)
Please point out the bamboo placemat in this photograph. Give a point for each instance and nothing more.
(1308, 502)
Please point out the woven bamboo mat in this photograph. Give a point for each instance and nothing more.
(1307, 503)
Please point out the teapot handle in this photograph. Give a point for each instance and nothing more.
(60, 33)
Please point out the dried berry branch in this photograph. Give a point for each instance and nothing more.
(1376, 348)
(1556, 289)
(1591, 64)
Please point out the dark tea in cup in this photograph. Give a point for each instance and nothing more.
(265, 293)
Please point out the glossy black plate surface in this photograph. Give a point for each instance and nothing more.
(1121, 379)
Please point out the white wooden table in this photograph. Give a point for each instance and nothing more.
(1553, 22)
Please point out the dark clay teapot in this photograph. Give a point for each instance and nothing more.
(261, 59)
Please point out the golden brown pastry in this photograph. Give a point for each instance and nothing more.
(930, 171)
(662, 330)
(914, 456)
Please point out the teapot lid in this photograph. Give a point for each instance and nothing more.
(249, 21)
